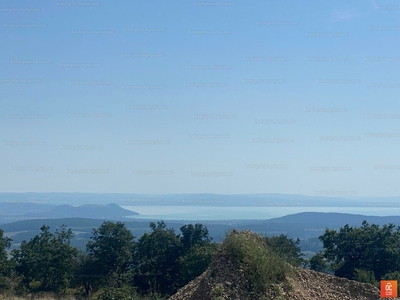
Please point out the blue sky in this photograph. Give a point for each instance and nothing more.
(200, 97)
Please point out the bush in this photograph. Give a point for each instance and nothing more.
(392, 276)
(286, 248)
(34, 284)
(318, 263)
(365, 276)
(195, 262)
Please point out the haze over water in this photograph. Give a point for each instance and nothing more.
(248, 213)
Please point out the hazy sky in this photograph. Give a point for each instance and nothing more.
(200, 97)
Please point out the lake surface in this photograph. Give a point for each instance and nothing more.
(246, 213)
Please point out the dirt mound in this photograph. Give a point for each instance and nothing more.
(226, 279)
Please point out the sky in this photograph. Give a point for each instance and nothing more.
(225, 97)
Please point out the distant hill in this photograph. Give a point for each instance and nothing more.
(35, 224)
(203, 199)
(311, 224)
(84, 211)
(81, 227)
(334, 218)
(21, 208)
(16, 211)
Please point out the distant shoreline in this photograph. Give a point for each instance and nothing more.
(193, 213)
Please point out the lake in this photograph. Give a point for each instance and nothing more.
(246, 213)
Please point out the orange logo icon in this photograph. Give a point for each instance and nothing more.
(388, 288)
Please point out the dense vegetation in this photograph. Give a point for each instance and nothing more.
(117, 265)
(114, 266)
(367, 254)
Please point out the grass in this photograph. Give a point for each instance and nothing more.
(262, 267)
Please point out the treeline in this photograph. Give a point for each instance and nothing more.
(367, 254)
(115, 264)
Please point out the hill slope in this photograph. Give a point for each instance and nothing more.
(85, 211)
(227, 278)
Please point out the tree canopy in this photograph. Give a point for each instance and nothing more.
(355, 252)
(286, 248)
(110, 252)
(5, 243)
(48, 261)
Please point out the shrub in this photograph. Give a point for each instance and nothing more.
(392, 276)
(365, 276)
(219, 289)
(125, 293)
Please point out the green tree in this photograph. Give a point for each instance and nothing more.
(318, 263)
(157, 267)
(85, 273)
(286, 248)
(365, 276)
(5, 264)
(197, 252)
(5, 243)
(47, 262)
(368, 248)
(196, 235)
(392, 276)
(111, 251)
(196, 261)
